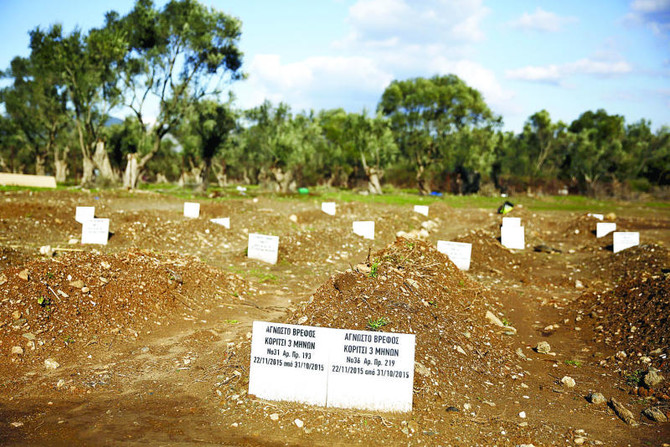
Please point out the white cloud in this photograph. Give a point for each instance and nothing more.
(386, 40)
(655, 14)
(650, 6)
(313, 82)
(542, 20)
(556, 74)
(477, 76)
(375, 22)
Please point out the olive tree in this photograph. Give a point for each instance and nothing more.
(177, 56)
(427, 114)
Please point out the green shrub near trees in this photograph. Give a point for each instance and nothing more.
(427, 133)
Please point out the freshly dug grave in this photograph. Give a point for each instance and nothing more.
(633, 320)
(408, 287)
(581, 229)
(628, 264)
(55, 307)
(488, 254)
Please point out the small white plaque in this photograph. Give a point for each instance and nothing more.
(328, 208)
(95, 231)
(83, 213)
(365, 228)
(241, 188)
(192, 210)
(263, 247)
(597, 216)
(605, 228)
(624, 240)
(511, 221)
(421, 209)
(225, 221)
(512, 237)
(371, 370)
(458, 252)
(289, 362)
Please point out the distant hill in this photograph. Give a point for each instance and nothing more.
(113, 120)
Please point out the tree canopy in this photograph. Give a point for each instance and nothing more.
(167, 70)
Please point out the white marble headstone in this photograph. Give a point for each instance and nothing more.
(263, 247)
(458, 252)
(605, 228)
(597, 216)
(625, 239)
(328, 208)
(512, 237)
(95, 231)
(289, 362)
(371, 370)
(192, 210)
(225, 221)
(365, 228)
(83, 213)
(421, 209)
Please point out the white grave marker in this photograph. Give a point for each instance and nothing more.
(191, 210)
(371, 370)
(328, 208)
(605, 228)
(241, 188)
(511, 221)
(596, 216)
(365, 228)
(458, 252)
(83, 213)
(332, 367)
(624, 240)
(289, 362)
(263, 247)
(512, 237)
(95, 231)
(225, 221)
(421, 209)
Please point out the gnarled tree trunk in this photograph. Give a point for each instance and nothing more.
(101, 160)
(60, 164)
(131, 173)
(422, 183)
(220, 171)
(40, 162)
(191, 176)
(203, 177)
(283, 181)
(374, 176)
(87, 171)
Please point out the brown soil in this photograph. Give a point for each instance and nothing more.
(152, 330)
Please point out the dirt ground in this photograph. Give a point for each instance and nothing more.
(146, 341)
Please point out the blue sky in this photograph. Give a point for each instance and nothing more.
(523, 55)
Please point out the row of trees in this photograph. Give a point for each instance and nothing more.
(435, 133)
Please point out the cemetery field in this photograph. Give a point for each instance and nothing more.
(147, 340)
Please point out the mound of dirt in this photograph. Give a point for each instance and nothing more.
(633, 319)
(488, 254)
(73, 301)
(582, 229)
(408, 287)
(627, 264)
